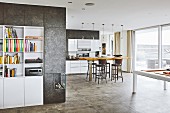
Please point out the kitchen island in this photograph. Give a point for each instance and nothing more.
(80, 65)
(92, 59)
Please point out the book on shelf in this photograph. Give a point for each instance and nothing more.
(13, 46)
(10, 72)
(1, 46)
(1, 59)
(30, 47)
(11, 59)
(10, 32)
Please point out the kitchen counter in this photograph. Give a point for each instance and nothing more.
(72, 59)
(98, 58)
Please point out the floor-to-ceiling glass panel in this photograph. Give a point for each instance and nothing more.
(166, 47)
(146, 49)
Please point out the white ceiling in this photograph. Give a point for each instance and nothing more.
(133, 14)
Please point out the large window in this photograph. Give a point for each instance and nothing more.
(166, 47)
(146, 49)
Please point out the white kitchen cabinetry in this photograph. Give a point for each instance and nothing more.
(33, 90)
(83, 66)
(1, 93)
(83, 44)
(95, 44)
(75, 66)
(68, 67)
(14, 92)
(72, 44)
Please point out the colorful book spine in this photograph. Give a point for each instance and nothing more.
(1, 59)
(4, 46)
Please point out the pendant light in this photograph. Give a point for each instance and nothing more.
(122, 32)
(112, 27)
(111, 38)
(93, 30)
(82, 29)
(103, 32)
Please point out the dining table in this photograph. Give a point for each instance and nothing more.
(92, 59)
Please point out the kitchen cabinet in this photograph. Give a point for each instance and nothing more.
(83, 66)
(72, 44)
(95, 44)
(33, 90)
(68, 67)
(14, 92)
(1, 93)
(75, 67)
(83, 44)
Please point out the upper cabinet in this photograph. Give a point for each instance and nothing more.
(84, 44)
(95, 45)
(72, 44)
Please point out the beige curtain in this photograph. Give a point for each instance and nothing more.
(117, 43)
(129, 50)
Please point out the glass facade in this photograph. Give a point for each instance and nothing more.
(166, 47)
(152, 48)
(146, 49)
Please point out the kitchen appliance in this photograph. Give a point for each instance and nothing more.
(83, 55)
(33, 71)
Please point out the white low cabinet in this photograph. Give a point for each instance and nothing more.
(1, 93)
(33, 90)
(75, 67)
(68, 67)
(13, 92)
(83, 66)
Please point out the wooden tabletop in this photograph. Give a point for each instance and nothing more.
(98, 58)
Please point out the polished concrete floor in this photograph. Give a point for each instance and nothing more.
(110, 97)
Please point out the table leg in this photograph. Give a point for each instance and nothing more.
(164, 85)
(90, 70)
(134, 83)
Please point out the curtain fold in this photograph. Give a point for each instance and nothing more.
(117, 43)
(130, 36)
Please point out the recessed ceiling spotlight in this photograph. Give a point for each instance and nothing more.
(83, 9)
(70, 2)
(89, 4)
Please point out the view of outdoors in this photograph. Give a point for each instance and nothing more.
(147, 48)
(166, 47)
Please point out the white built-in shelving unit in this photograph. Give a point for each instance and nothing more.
(17, 89)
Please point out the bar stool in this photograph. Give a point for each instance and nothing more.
(94, 69)
(101, 70)
(115, 70)
(108, 68)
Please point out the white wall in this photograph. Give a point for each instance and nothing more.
(107, 39)
(123, 50)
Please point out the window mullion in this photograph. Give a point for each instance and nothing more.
(160, 46)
